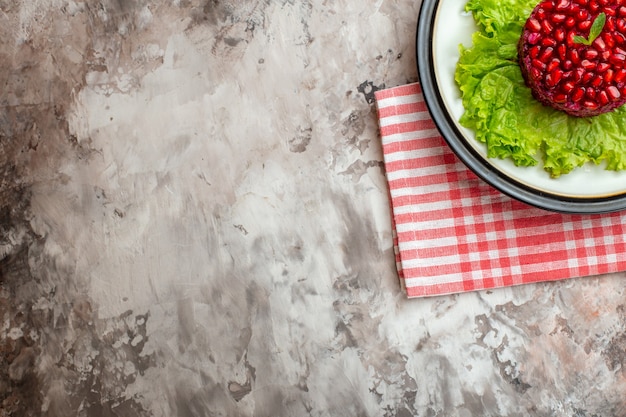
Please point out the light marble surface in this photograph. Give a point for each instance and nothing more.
(195, 222)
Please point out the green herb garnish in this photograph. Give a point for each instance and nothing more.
(594, 32)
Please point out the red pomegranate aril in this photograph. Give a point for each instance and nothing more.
(558, 18)
(591, 54)
(562, 51)
(560, 98)
(534, 38)
(622, 11)
(546, 54)
(578, 95)
(613, 92)
(590, 105)
(534, 51)
(590, 93)
(602, 66)
(548, 41)
(610, 23)
(603, 98)
(588, 65)
(620, 76)
(567, 65)
(579, 74)
(570, 22)
(599, 44)
(554, 64)
(587, 77)
(617, 59)
(597, 81)
(608, 75)
(568, 86)
(534, 25)
(619, 50)
(538, 64)
(559, 35)
(608, 40)
(574, 56)
(584, 25)
(582, 15)
(562, 5)
(547, 27)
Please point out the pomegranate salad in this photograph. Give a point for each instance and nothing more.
(545, 82)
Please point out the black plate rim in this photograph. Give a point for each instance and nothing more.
(470, 157)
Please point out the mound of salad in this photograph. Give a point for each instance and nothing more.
(501, 110)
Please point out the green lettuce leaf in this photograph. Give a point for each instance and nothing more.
(499, 107)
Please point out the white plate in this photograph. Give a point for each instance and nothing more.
(444, 25)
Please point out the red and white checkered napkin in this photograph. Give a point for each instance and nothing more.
(455, 233)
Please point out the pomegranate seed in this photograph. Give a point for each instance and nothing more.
(556, 76)
(599, 44)
(609, 26)
(534, 25)
(574, 56)
(588, 65)
(558, 18)
(620, 76)
(548, 41)
(579, 73)
(619, 50)
(538, 64)
(591, 54)
(582, 15)
(562, 5)
(584, 25)
(619, 38)
(560, 98)
(608, 75)
(590, 93)
(559, 35)
(534, 51)
(534, 38)
(546, 54)
(554, 64)
(613, 92)
(547, 27)
(567, 65)
(617, 59)
(590, 105)
(562, 51)
(621, 11)
(603, 98)
(535, 74)
(578, 95)
(602, 66)
(608, 40)
(597, 81)
(568, 87)
(594, 6)
(570, 22)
